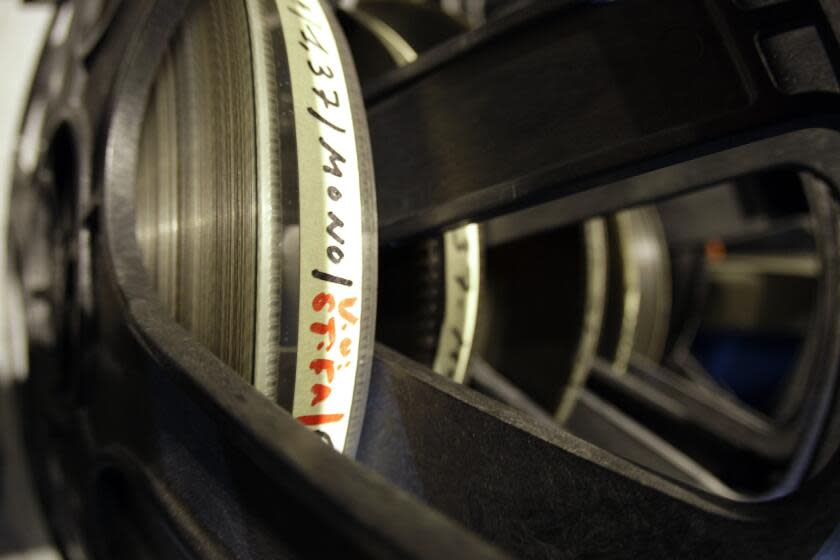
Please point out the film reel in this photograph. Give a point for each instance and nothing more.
(255, 209)
(620, 305)
(444, 270)
(640, 296)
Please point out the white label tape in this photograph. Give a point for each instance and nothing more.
(330, 223)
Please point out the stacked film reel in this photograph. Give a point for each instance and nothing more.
(221, 211)
(572, 242)
(550, 319)
(616, 301)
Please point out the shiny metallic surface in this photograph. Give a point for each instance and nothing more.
(646, 282)
(595, 301)
(400, 50)
(196, 183)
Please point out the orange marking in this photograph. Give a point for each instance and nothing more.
(345, 347)
(319, 366)
(321, 393)
(345, 313)
(321, 300)
(715, 250)
(317, 419)
(327, 328)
